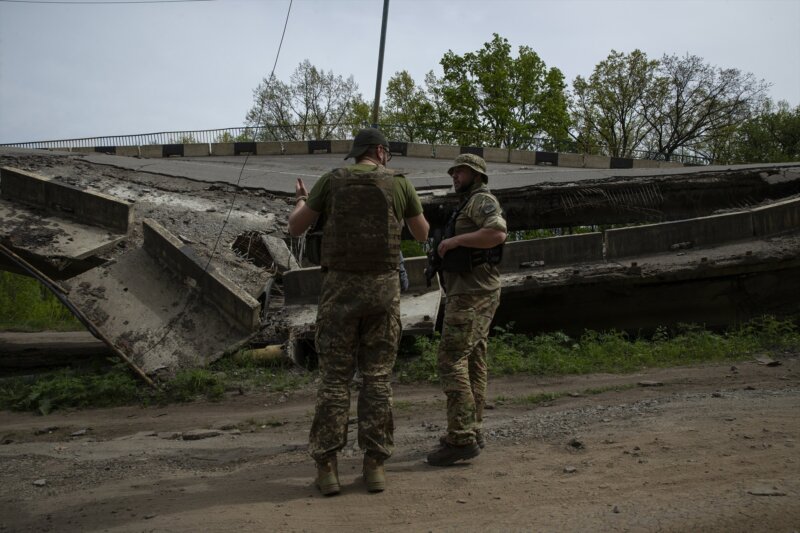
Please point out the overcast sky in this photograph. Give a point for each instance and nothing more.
(84, 70)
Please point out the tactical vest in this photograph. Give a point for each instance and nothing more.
(464, 259)
(361, 232)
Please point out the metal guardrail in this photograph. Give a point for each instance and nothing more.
(144, 139)
(395, 132)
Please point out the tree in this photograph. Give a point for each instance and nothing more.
(314, 105)
(693, 101)
(608, 112)
(496, 100)
(772, 136)
(408, 113)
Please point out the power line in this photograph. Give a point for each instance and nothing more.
(235, 191)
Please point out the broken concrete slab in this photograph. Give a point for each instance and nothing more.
(216, 288)
(164, 309)
(56, 226)
(266, 251)
(64, 200)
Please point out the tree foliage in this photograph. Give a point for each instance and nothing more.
(772, 136)
(608, 108)
(693, 102)
(630, 106)
(495, 99)
(314, 105)
(407, 112)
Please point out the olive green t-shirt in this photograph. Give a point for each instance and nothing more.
(406, 201)
(481, 211)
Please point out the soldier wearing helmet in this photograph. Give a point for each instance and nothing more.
(477, 231)
(362, 207)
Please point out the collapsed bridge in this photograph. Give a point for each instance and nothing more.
(173, 262)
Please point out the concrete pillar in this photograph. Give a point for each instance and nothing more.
(420, 150)
(496, 155)
(570, 160)
(443, 151)
(151, 151)
(596, 161)
(523, 157)
(128, 151)
(195, 150)
(222, 149)
(269, 148)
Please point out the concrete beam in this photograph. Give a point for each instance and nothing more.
(151, 151)
(596, 161)
(196, 150)
(669, 236)
(341, 147)
(420, 150)
(128, 151)
(570, 160)
(87, 207)
(645, 163)
(269, 148)
(295, 148)
(302, 286)
(552, 251)
(241, 308)
(496, 155)
(223, 149)
(776, 218)
(442, 151)
(523, 157)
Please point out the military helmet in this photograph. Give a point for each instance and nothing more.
(364, 139)
(472, 161)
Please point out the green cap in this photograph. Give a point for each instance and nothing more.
(472, 161)
(364, 139)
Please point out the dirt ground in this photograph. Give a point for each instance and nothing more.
(710, 448)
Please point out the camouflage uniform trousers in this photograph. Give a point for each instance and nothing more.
(358, 327)
(462, 361)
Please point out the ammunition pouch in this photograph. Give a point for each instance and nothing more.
(313, 250)
(463, 259)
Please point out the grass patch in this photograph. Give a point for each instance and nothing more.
(545, 397)
(70, 389)
(249, 374)
(27, 305)
(615, 352)
(116, 386)
(402, 405)
(610, 388)
(531, 399)
(508, 353)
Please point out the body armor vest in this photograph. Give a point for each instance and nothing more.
(362, 232)
(464, 259)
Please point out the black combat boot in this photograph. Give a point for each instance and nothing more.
(447, 454)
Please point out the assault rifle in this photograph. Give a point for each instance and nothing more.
(434, 265)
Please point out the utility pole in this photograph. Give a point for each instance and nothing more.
(377, 104)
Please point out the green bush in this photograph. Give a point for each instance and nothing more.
(27, 305)
(69, 389)
(610, 351)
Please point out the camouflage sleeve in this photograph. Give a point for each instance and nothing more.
(318, 195)
(485, 212)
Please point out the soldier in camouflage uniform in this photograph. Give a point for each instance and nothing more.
(362, 208)
(473, 294)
